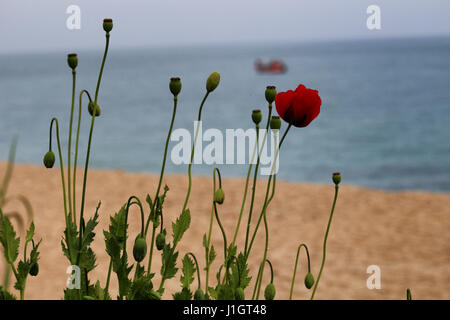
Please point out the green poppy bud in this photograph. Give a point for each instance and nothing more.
(34, 269)
(140, 248)
(72, 60)
(49, 159)
(91, 107)
(269, 292)
(309, 280)
(239, 294)
(275, 123)
(270, 93)
(199, 295)
(213, 81)
(107, 25)
(219, 196)
(256, 116)
(175, 86)
(336, 178)
(160, 241)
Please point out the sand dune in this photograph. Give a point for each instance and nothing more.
(406, 233)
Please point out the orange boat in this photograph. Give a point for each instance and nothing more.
(273, 66)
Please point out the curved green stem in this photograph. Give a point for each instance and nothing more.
(259, 278)
(336, 189)
(83, 194)
(295, 268)
(266, 202)
(74, 73)
(198, 269)
(55, 120)
(175, 102)
(255, 177)
(246, 187)
(222, 230)
(76, 152)
(193, 151)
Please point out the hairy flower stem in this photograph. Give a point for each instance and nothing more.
(76, 152)
(267, 199)
(208, 240)
(266, 226)
(61, 165)
(336, 190)
(259, 278)
(83, 194)
(71, 210)
(175, 101)
(295, 268)
(193, 151)
(255, 177)
(197, 267)
(246, 186)
(152, 244)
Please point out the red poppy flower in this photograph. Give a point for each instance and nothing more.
(298, 107)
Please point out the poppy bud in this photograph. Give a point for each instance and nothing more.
(140, 248)
(256, 116)
(160, 241)
(199, 295)
(175, 86)
(270, 93)
(219, 196)
(239, 294)
(107, 25)
(72, 60)
(309, 280)
(269, 292)
(49, 159)
(275, 123)
(336, 178)
(34, 269)
(91, 107)
(213, 81)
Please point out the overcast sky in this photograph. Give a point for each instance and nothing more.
(40, 25)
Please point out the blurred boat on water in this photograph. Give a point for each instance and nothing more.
(272, 67)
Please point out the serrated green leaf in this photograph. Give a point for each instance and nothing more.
(30, 233)
(240, 272)
(184, 294)
(5, 295)
(188, 272)
(8, 239)
(180, 226)
(22, 273)
(212, 255)
(169, 260)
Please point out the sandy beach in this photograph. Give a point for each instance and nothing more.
(405, 233)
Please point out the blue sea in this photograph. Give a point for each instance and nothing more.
(384, 121)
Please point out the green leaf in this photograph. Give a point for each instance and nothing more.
(169, 260)
(225, 292)
(142, 289)
(22, 273)
(88, 234)
(30, 233)
(180, 226)
(188, 272)
(5, 295)
(212, 255)
(240, 272)
(70, 237)
(184, 294)
(8, 239)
